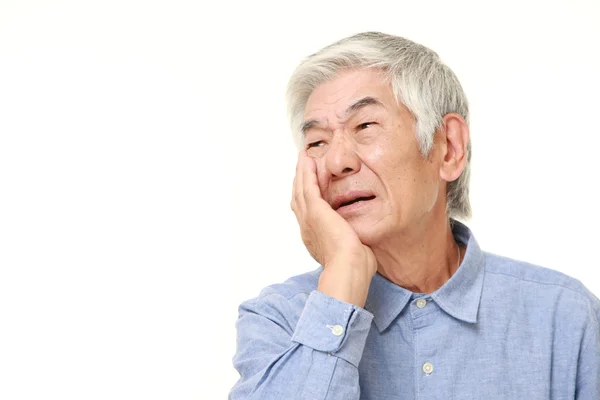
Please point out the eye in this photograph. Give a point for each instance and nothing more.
(365, 125)
(315, 144)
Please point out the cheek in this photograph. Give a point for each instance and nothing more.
(409, 180)
(426, 185)
(389, 163)
(377, 159)
(406, 177)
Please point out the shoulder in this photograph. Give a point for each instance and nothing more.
(545, 285)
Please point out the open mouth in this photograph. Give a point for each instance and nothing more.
(356, 201)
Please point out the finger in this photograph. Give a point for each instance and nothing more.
(317, 207)
(310, 183)
(293, 200)
(298, 196)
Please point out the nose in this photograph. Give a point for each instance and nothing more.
(341, 158)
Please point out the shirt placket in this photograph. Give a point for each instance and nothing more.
(425, 320)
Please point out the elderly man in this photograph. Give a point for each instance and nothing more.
(405, 304)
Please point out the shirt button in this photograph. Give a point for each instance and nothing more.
(421, 303)
(428, 368)
(337, 330)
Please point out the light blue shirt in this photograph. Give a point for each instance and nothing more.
(497, 329)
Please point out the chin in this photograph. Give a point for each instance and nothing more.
(369, 232)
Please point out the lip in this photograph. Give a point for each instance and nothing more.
(353, 208)
(349, 196)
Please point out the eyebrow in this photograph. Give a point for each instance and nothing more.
(354, 107)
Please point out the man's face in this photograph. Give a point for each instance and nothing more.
(365, 146)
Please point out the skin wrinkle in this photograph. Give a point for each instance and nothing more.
(404, 224)
(353, 108)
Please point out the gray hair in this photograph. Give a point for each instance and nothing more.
(420, 81)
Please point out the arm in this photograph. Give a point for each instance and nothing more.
(315, 357)
(318, 360)
(588, 366)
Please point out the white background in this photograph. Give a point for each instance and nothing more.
(146, 167)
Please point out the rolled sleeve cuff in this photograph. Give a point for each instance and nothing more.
(333, 326)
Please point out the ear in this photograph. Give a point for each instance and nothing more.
(455, 133)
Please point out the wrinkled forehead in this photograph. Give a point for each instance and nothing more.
(334, 97)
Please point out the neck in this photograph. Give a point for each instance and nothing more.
(421, 260)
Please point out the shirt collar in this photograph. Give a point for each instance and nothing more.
(459, 296)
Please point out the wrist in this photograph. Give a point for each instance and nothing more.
(345, 283)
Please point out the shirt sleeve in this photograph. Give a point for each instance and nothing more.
(588, 368)
(317, 359)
